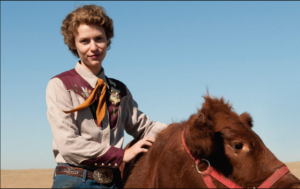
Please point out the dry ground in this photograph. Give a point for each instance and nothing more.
(42, 178)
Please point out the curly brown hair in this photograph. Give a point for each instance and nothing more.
(90, 15)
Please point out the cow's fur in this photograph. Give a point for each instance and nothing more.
(215, 133)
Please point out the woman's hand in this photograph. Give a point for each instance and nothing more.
(134, 150)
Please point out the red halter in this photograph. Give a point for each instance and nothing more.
(212, 172)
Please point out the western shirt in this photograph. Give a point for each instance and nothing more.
(77, 139)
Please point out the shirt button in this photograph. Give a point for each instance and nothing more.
(116, 164)
(96, 164)
(102, 164)
(109, 164)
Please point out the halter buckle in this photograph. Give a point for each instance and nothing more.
(199, 162)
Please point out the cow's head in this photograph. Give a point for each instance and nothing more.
(227, 141)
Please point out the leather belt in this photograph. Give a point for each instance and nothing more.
(101, 175)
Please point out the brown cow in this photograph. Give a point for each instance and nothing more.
(218, 135)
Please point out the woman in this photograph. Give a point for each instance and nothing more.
(88, 112)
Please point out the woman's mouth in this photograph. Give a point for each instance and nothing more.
(94, 56)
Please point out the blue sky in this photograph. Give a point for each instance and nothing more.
(168, 54)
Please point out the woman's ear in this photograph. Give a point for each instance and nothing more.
(72, 48)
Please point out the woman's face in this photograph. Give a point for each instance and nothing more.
(91, 45)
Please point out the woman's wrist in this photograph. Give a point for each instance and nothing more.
(126, 159)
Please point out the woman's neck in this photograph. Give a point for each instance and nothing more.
(94, 69)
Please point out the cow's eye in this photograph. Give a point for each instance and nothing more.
(237, 145)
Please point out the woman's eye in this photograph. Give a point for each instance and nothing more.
(84, 41)
(98, 38)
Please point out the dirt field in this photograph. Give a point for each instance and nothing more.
(42, 178)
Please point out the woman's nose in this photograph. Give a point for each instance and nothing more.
(93, 46)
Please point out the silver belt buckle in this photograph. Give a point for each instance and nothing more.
(103, 175)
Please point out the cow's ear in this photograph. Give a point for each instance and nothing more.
(245, 117)
(200, 135)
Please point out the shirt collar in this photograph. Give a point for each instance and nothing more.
(89, 76)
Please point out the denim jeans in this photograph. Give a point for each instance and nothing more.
(67, 181)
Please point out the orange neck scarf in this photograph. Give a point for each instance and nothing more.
(100, 112)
